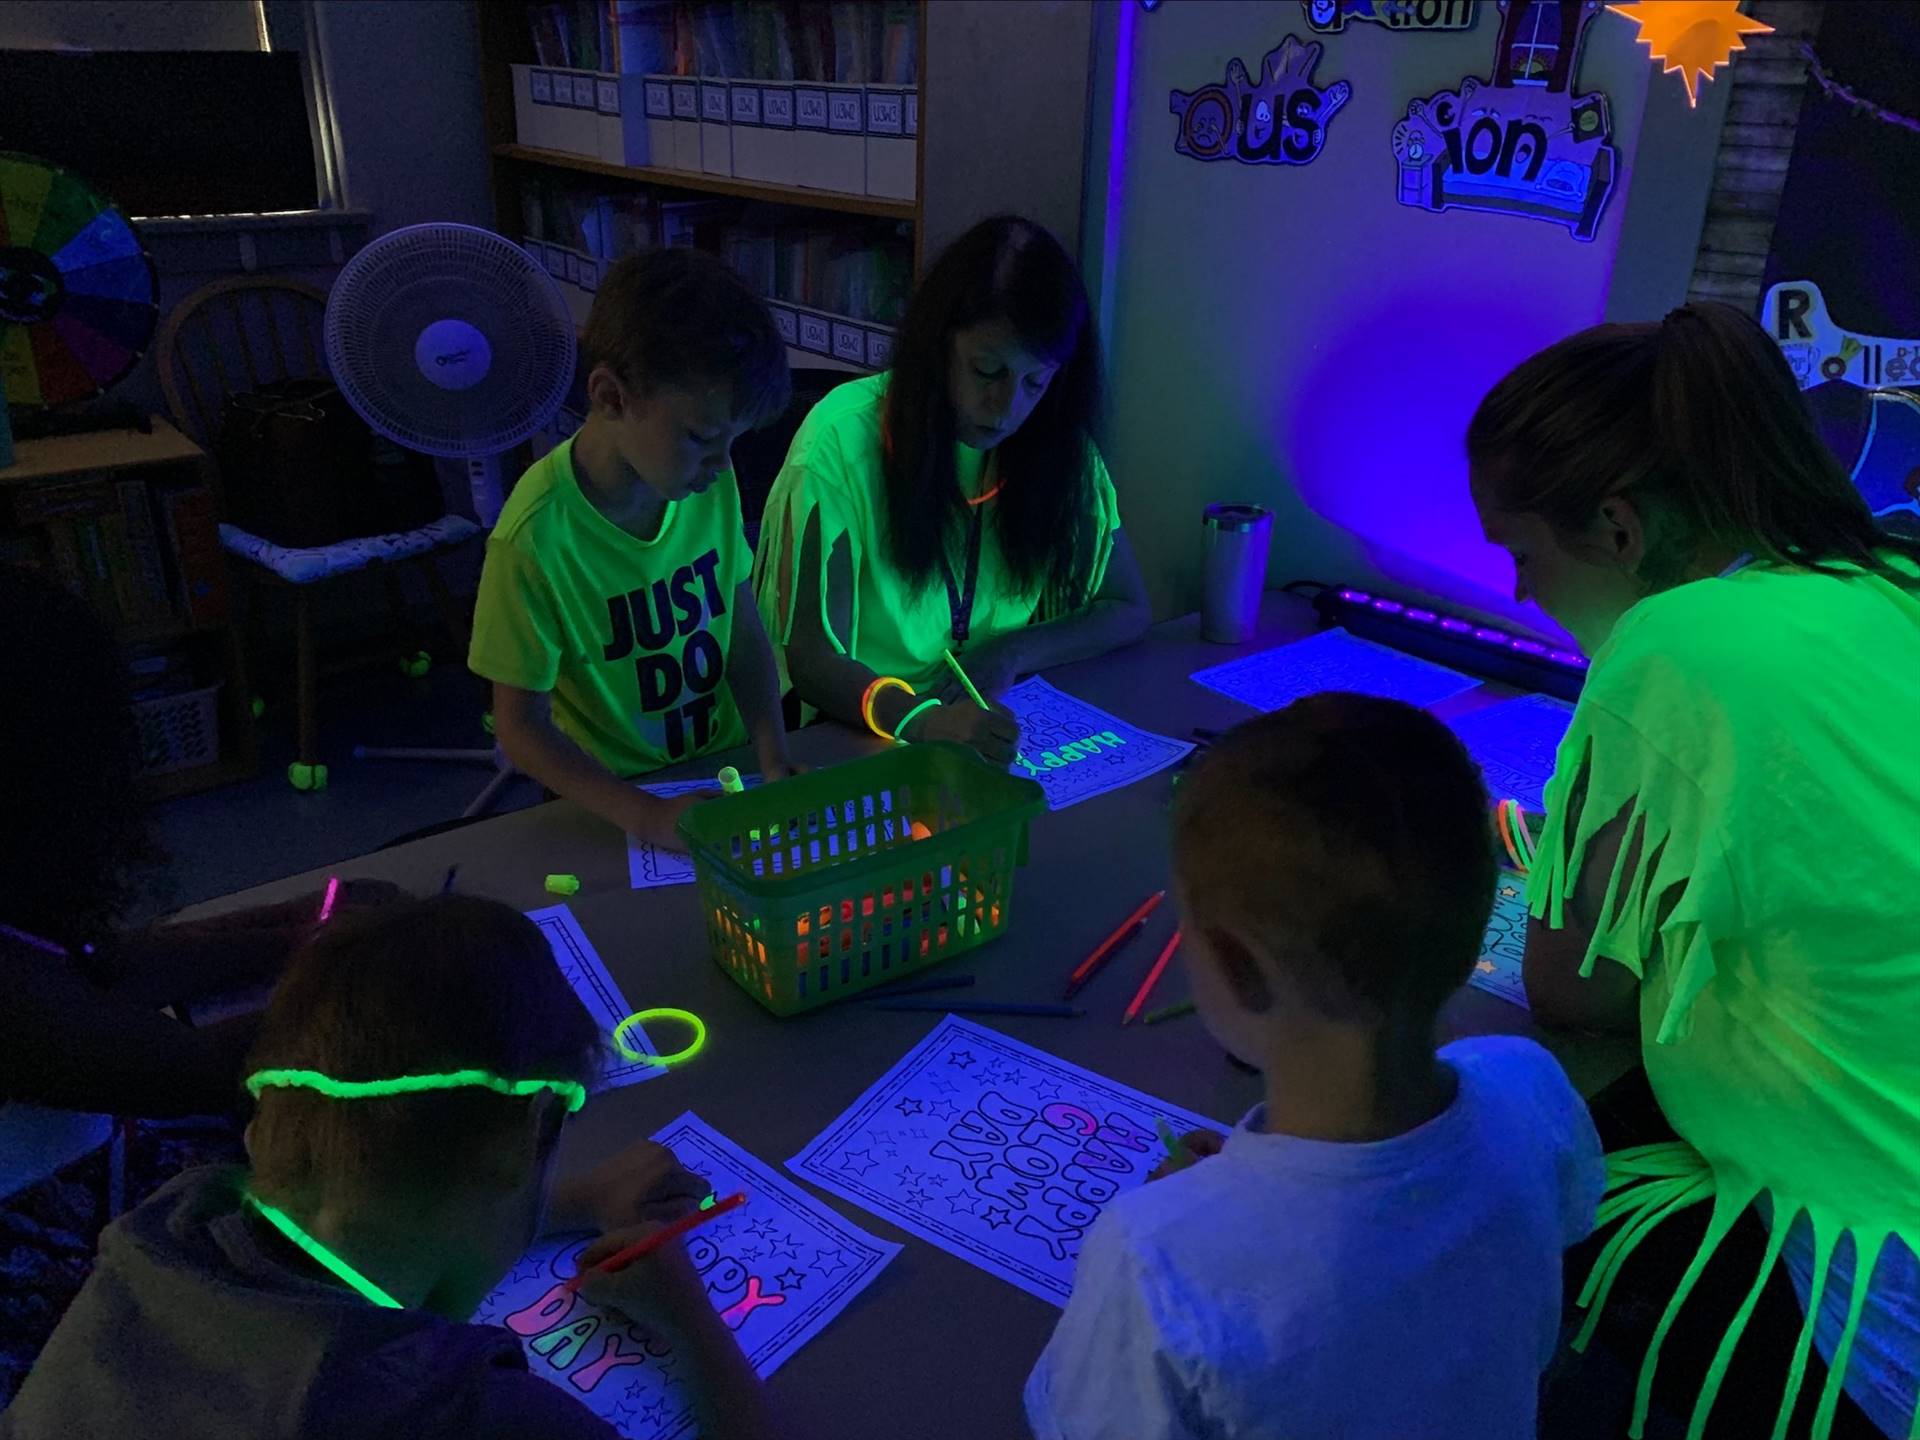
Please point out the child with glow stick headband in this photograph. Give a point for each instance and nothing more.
(412, 1077)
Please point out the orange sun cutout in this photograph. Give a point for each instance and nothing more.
(1695, 37)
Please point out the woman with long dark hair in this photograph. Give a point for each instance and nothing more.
(1731, 860)
(954, 502)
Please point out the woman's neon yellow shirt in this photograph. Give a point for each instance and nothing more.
(1761, 732)
(833, 470)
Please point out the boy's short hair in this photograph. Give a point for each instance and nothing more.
(682, 317)
(1350, 836)
(418, 987)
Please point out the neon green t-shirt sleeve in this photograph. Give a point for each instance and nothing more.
(1670, 891)
(817, 484)
(516, 639)
(1103, 522)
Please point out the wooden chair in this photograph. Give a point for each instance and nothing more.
(236, 335)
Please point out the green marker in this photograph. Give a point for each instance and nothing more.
(1177, 1151)
(978, 698)
(1168, 1012)
(963, 678)
(730, 780)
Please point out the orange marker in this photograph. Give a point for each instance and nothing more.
(621, 1259)
(1108, 947)
(1153, 979)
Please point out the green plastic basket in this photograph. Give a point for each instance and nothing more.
(837, 881)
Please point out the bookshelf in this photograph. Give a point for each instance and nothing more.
(1002, 100)
(126, 518)
(794, 195)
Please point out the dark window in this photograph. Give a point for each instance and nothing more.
(166, 132)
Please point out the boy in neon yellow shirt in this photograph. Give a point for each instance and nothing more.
(616, 617)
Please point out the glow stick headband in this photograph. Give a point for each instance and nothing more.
(572, 1091)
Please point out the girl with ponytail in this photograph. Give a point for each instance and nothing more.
(1731, 859)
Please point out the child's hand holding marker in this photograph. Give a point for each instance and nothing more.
(644, 1184)
(1184, 1150)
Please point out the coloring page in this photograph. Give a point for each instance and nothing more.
(1076, 751)
(1497, 971)
(778, 1270)
(648, 866)
(994, 1151)
(580, 963)
(1333, 660)
(1515, 743)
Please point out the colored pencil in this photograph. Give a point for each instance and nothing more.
(621, 1259)
(326, 901)
(961, 675)
(1167, 1012)
(1108, 947)
(1153, 978)
(964, 679)
(446, 885)
(915, 987)
(983, 1007)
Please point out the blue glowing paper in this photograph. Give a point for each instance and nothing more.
(580, 963)
(994, 1151)
(778, 1270)
(648, 866)
(1077, 751)
(1515, 743)
(1497, 971)
(1333, 660)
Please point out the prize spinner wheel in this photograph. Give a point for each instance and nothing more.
(76, 289)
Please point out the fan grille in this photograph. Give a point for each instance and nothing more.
(406, 280)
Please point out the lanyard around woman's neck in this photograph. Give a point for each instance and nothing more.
(960, 594)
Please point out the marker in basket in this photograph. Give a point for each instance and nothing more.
(730, 780)
(1111, 946)
(621, 1259)
(1153, 979)
(984, 1007)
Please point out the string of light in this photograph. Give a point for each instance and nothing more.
(1834, 90)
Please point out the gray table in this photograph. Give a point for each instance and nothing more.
(935, 1347)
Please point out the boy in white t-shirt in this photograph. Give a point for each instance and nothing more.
(1376, 1250)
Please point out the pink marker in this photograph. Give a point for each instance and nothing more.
(333, 894)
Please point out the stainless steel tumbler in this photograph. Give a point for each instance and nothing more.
(1234, 566)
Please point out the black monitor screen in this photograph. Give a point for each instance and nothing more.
(166, 132)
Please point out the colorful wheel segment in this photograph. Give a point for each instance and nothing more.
(77, 287)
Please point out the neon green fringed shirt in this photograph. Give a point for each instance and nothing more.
(834, 470)
(1762, 733)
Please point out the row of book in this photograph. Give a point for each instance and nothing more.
(847, 42)
(845, 269)
(831, 268)
(142, 555)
